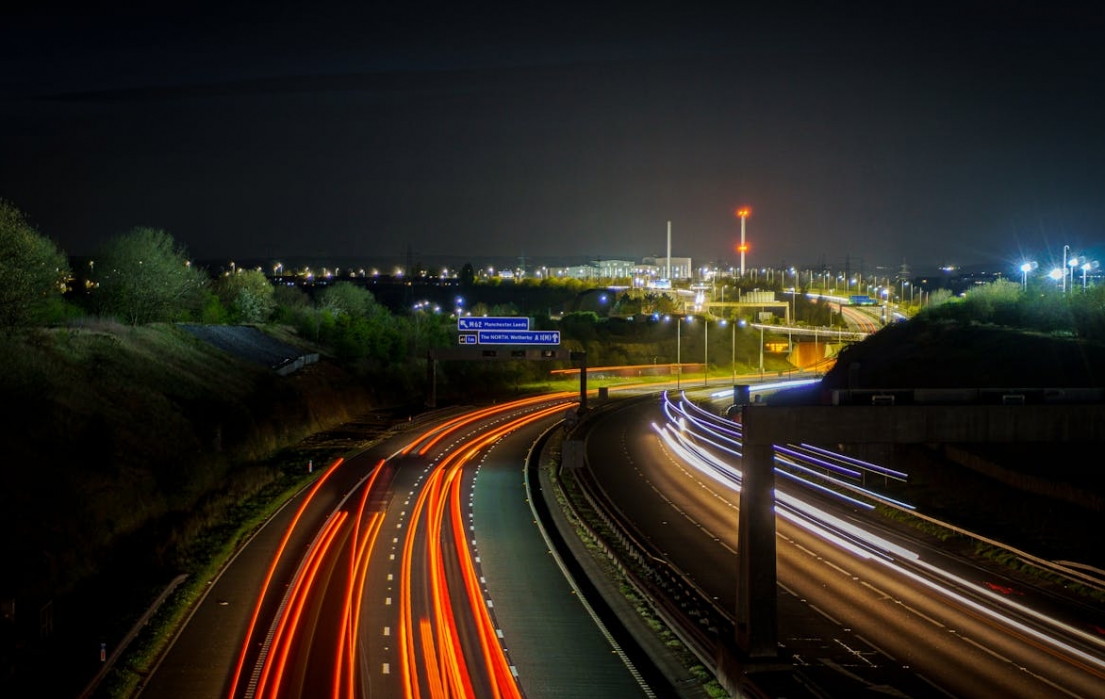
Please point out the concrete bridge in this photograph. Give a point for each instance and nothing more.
(879, 418)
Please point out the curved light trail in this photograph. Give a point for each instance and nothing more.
(708, 443)
(304, 636)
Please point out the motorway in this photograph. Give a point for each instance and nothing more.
(393, 575)
(863, 609)
(418, 568)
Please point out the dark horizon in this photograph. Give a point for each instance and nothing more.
(385, 267)
(935, 133)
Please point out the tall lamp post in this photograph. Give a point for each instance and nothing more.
(1025, 269)
(678, 352)
(744, 324)
(1066, 249)
(733, 358)
(706, 351)
(761, 353)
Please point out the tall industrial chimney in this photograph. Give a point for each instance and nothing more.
(669, 251)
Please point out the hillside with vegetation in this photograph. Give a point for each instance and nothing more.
(934, 352)
(999, 335)
(128, 448)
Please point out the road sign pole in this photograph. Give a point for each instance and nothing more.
(582, 357)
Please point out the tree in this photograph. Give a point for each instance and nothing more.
(349, 298)
(248, 294)
(939, 297)
(32, 268)
(292, 303)
(467, 276)
(146, 277)
(349, 319)
(996, 302)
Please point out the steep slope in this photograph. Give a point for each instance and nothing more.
(121, 445)
(918, 354)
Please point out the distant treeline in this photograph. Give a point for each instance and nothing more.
(1039, 306)
(145, 276)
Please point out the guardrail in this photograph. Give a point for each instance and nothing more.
(692, 615)
(686, 609)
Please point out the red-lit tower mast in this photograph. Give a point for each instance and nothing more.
(742, 214)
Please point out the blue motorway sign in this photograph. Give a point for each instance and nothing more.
(507, 323)
(467, 338)
(518, 337)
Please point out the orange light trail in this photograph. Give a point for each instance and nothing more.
(451, 426)
(431, 651)
(452, 675)
(284, 636)
(268, 576)
(359, 549)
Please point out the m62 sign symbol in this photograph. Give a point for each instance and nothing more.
(506, 323)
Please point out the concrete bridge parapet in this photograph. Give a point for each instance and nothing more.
(885, 422)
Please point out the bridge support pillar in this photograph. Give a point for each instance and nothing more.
(757, 594)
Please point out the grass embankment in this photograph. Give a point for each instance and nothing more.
(134, 454)
(206, 554)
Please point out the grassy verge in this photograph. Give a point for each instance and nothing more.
(206, 554)
(1013, 562)
(1003, 557)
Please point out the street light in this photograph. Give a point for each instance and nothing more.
(706, 351)
(1086, 267)
(678, 352)
(733, 358)
(1025, 269)
(761, 353)
(1066, 249)
(1072, 263)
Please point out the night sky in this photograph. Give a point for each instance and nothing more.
(860, 133)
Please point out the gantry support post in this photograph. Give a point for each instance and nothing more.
(757, 593)
(582, 357)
